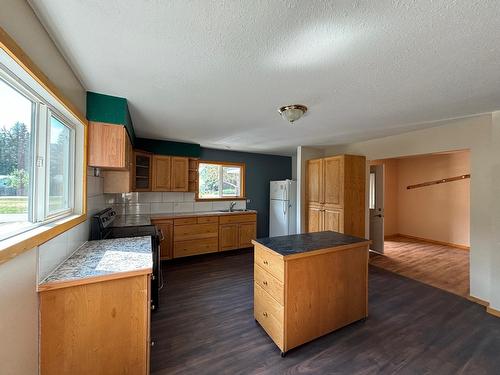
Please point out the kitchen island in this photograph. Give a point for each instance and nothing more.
(308, 285)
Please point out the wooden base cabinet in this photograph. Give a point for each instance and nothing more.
(237, 231)
(302, 297)
(186, 236)
(97, 328)
(335, 194)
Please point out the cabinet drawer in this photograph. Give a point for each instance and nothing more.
(269, 283)
(185, 220)
(194, 247)
(208, 219)
(269, 314)
(195, 231)
(229, 219)
(270, 262)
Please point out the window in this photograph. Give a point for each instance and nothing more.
(218, 180)
(37, 159)
(372, 191)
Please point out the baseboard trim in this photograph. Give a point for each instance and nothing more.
(489, 310)
(479, 301)
(461, 247)
(493, 311)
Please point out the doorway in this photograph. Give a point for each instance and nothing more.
(423, 228)
(376, 206)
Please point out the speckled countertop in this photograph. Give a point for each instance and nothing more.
(301, 243)
(201, 213)
(103, 258)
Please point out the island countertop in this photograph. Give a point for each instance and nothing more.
(102, 260)
(307, 242)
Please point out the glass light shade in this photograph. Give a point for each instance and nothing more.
(292, 113)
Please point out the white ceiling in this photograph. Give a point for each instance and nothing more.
(215, 72)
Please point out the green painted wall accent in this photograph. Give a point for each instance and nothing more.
(168, 147)
(110, 109)
(114, 110)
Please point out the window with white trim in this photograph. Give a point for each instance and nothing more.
(37, 158)
(220, 180)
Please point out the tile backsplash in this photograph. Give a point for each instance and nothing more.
(156, 202)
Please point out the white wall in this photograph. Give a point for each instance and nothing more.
(480, 134)
(18, 277)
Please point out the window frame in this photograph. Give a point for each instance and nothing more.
(38, 191)
(240, 165)
(30, 76)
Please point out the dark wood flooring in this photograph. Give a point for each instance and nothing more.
(205, 326)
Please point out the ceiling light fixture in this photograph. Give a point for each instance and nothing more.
(292, 113)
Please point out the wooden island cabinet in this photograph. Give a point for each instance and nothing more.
(308, 285)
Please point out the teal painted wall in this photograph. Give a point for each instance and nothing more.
(110, 109)
(260, 170)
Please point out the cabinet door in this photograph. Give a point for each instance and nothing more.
(333, 181)
(180, 174)
(228, 237)
(161, 173)
(314, 219)
(166, 239)
(333, 220)
(247, 233)
(314, 181)
(107, 145)
(142, 171)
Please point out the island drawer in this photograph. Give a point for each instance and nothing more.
(269, 283)
(195, 231)
(270, 261)
(194, 247)
(269, 314)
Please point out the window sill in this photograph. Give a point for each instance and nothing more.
(16, 245)
(220, 199)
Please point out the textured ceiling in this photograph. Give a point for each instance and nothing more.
(215, 72)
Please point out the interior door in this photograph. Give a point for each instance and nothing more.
(376, 205)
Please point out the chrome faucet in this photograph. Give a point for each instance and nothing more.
(231, 206)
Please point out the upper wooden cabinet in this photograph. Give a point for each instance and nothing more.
(315, 180)
(109, 146)
(142, 171)
(180, 174)
(335, 194)
(161, 173)
(170, 173)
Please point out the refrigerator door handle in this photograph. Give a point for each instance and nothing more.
(284, 207)
(285, 194)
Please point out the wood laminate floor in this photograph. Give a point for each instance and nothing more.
(441, 266)
(205, 325)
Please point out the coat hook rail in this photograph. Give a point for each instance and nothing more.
(436, 182)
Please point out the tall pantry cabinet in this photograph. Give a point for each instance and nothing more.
(335, 194)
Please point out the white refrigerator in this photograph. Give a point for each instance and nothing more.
(283, 208)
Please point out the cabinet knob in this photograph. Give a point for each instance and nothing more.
(266, 262)
(264, 282)
(265, 314)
